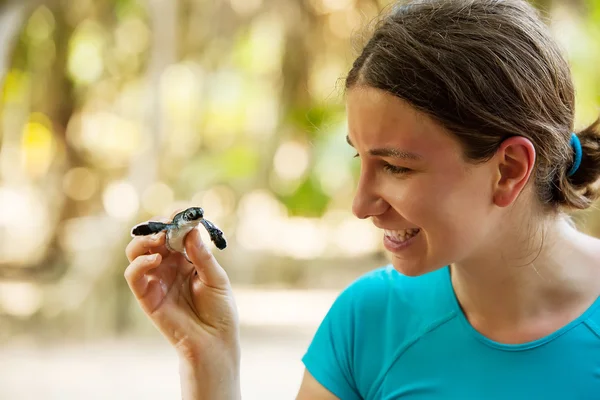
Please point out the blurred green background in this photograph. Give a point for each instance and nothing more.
(114, 111)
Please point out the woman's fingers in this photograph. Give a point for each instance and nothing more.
(135, 273)
(141, 245)
(209, 270)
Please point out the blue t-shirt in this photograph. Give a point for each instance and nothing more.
(389, 336)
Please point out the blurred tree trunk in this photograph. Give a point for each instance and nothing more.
(144, 169)
(295, 65)
(13, 15)
(165, 38)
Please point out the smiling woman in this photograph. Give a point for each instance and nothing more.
(461, 113)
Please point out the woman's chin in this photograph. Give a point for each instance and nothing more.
(411, 268)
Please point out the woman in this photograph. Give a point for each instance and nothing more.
(461, 113)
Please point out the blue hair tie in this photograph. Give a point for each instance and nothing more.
(576, 144)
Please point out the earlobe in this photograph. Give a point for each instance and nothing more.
(515, 162)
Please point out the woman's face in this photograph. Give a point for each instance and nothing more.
(432, 206)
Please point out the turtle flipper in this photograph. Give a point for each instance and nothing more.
(220, 241)
(148, 228)
(216, 235)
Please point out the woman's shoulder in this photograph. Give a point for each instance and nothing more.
(375, 317)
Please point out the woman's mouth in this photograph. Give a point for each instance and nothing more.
(402, 235)
(399, 239)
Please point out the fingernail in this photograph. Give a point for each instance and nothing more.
(152, 257)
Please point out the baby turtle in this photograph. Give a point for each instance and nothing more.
(182, 224)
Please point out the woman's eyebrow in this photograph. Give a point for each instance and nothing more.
(391, 152)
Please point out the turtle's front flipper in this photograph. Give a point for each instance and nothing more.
(148, 228)
(216, 235)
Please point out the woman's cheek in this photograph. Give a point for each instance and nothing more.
(401, 197)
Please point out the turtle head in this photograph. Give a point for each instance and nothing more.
(192, 214)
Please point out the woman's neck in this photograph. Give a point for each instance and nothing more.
(527, 287)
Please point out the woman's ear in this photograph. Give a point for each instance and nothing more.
(515, 160)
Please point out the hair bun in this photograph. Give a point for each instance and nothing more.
(582, 188)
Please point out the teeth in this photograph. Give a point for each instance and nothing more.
(402, 235)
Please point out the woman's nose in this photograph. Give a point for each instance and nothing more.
(367, 202)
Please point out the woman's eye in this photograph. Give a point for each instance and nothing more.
(394, 169)
(356, 155)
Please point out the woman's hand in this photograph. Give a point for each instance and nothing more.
(192, 305)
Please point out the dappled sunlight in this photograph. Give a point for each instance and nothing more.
(24, 224)
(38, 148)
(20, 299)
(245, 6)
(114, 112)
(291, 160)
(80, 183)
(263, 225)
(157, 198)
(86, 61)
(107, 139)
(120, 200)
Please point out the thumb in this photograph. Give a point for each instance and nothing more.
(209, 270)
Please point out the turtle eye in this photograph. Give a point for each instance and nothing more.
(190, 215)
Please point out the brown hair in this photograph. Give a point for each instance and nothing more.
(486, 70)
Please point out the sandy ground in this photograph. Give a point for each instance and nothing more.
(278, 328)
(126, 369)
